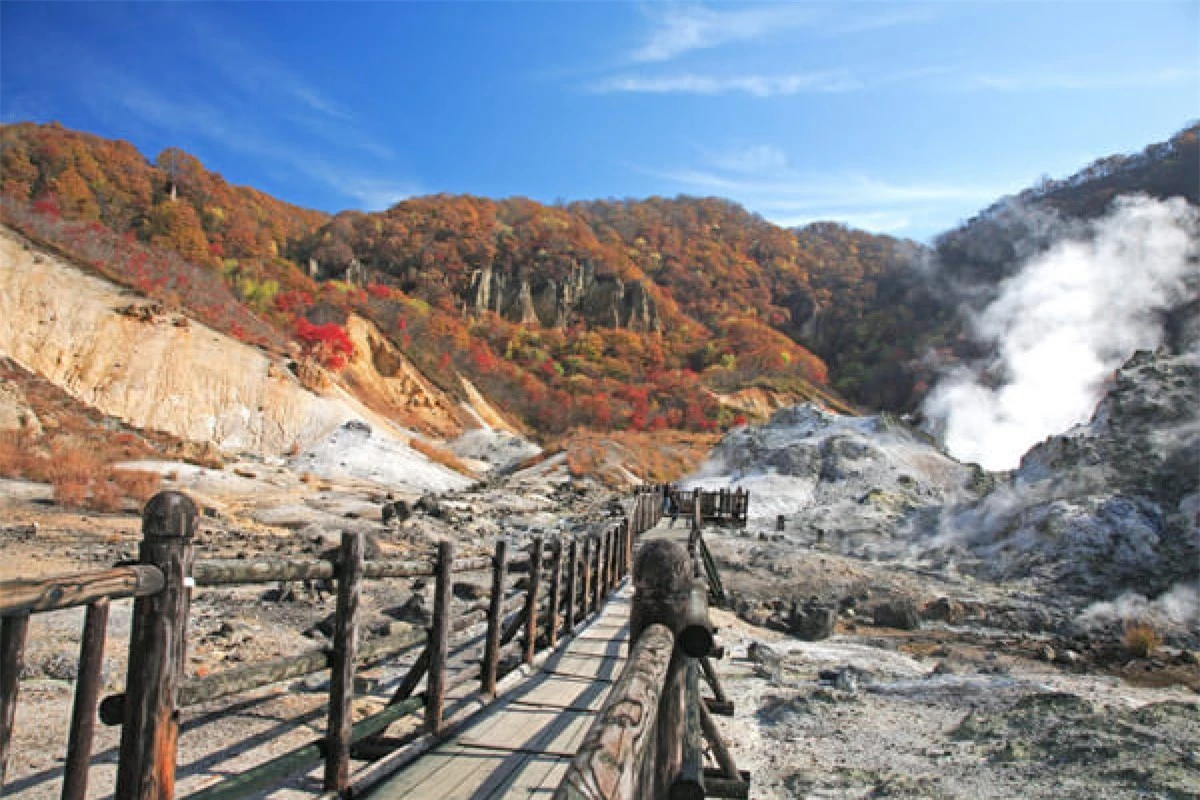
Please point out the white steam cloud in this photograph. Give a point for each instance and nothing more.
(1061, 325)
(1178, 608)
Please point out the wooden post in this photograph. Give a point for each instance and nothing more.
(628, 546)
(696, 634)
(412, 679)
(531, 602)
(439, 640)
(87, 698)
(586, 567)
(12, 660)
(720, 751)
(689, 783)
(345, 650)
(605, 579)
(157, 653)
(671, 719)
(710, 674)
(491, 650)
(572, 584)
(555, 594)
(598, 577)
(614, 540)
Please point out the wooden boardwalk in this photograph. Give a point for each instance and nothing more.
(521, 745)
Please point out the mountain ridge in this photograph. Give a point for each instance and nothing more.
(611, 314)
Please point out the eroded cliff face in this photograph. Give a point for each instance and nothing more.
(159, 371)
(582, 295)
(389, 384)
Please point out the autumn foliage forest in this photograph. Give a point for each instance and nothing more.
(609, 315)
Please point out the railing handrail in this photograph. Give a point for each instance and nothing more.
(166, 572)
(623, 757)
(38, 595)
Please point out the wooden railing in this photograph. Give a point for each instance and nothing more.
(722, 507)
(650, 739)
(518, 623)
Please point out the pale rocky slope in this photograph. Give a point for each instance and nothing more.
(1109, 507)
(169, 374)
(163, 371)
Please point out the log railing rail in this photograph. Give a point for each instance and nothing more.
(162, 582)
(723, 507)
(655, 730)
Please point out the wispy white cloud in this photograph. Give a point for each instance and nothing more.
(1052, 80)
(762, 178)
(678, 30)
(930, 78)
(759, 158)
(889, 18)
(112, 92)
(253, 71)
(832, 81)
(796, 191)
(249, 104)
(890, 222)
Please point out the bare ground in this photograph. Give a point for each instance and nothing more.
(975, 709)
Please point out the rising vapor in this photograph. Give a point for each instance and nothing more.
(1061, 325)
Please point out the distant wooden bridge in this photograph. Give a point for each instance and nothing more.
(581, 715)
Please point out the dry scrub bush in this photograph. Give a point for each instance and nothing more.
(137, 484)
(15, 455)
(77, 473)
(441, 455)
(106, 497)
(583, 460)
(1141, 640)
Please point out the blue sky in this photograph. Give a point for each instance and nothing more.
(895, 117)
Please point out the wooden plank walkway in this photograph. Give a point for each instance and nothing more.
(522, 744)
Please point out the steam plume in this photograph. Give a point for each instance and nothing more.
(1061, 325)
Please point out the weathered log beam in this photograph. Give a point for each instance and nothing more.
(531, 605)
(476, 564)
(254, 676)
(689, 783)
(714, 682)
(719, 708)
(572, 586)
(87, 695)
(716, 784)
(219, 572)
(65, 591)
(13, 631)
(608, 763)
(439, 634)
(696, 634)
(274, 771)
(491, 649)
(229, 572)
(717, 744)
(150, 732)
(556, 569)
(345, 650)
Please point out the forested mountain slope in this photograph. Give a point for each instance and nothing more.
(617, 314)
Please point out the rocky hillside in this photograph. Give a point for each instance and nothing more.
(1109, 506)
(608, 315)
(159, 369)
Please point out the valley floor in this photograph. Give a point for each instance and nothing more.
(990, 705)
